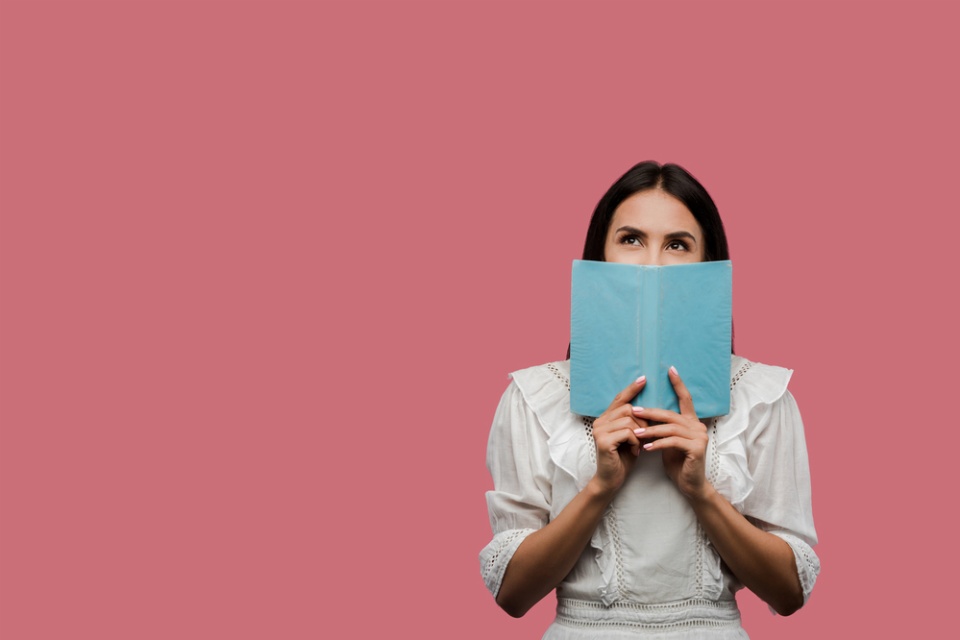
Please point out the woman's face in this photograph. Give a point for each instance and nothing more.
(653, 228)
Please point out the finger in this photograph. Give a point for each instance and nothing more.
(642, 428)
(657, 415)
(609, 426)
(629, 392)
(623, 411)
(673, 442)
(612, 441)
(683, 395)
(667, 430)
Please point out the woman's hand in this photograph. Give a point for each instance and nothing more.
(682, 438)
(616, 440)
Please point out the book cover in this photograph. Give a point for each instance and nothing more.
(630, 320)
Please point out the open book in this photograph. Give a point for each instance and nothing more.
(630, 320)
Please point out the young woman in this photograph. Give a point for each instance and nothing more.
(647, 521)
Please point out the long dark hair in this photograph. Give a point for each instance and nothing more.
(672, 179)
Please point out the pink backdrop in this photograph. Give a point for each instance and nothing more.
(265, 268)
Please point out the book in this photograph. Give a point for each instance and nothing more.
(630, 320)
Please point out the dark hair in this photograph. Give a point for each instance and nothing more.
(672, 179)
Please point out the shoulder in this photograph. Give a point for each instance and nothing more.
(753, 383)
(761, 407)
(545, 390)
(548, 382)
(542, 395)
(758, 399)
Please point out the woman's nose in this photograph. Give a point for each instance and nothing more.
(652, 260)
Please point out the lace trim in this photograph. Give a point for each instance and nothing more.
(808, 564)
(712, 472)
(695, 612)
(713, 466)
(500, 547)
(609, 517)
(555, 371)
(503, 543)
(591, 443)
(701, 542)
(739, 374)
(614, 527)
(587, 421)
(713, 457)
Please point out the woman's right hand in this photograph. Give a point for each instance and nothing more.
(617, 444)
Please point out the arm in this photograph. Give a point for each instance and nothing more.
(761, 560)
(546, 556)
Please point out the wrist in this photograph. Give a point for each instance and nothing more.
(704, 496)
(599, 491)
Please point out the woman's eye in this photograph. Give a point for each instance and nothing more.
(677, 245)
(630, 240)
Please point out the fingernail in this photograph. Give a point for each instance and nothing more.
(638, 409)
(640, 379)
(638, 431)
(674, 371)
(648, 445)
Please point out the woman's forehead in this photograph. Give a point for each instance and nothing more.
(654, 209)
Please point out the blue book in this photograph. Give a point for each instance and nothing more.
(631, 320)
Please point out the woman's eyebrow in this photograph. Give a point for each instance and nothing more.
(673, 235)
(678, 235)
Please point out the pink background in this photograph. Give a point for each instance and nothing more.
(265, 268)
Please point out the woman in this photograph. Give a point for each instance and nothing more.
(647, 521)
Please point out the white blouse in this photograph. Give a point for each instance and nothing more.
(649, 570)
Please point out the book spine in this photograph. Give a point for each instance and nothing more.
(649, 340)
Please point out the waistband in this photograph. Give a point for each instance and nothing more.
(694, 612)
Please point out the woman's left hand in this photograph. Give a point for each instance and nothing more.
(681, 437)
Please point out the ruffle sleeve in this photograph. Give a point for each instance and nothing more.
(571, 453)
(540, 455)
(762, 466)
(520, 501)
